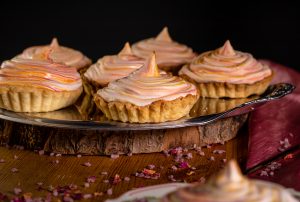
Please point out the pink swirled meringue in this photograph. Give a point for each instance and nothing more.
(113, 67)
(227, 66)
(147, 85)
(59, 54)
(168, 52)
(231, 185)
(39, 73)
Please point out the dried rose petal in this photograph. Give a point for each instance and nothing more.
(212, 158)
(189, 156)
(41, 152)
(87, 164)
(55, 192)
(190, 173)
(86, 185)
(183, 165)
(151, 166)
(126, 179)
(288, 156)
(264, 173)
(116, 179)
(104, 173)
(202, 180)
(40, 183)
(97, 194)
(174, 168)
(14, 170)
(56, 161)
(79, 156)
(91, 179)
(217, 151)
(114, 156)
(87, 196)
(17, 190)
(109, 191)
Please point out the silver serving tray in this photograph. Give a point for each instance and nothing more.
(205, 111)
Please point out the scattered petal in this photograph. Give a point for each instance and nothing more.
(17, 190)
(217, 151)
(87, 164)
(109, 191)
(183, 165)
(264, 173)
(288, 156)
(116, 179)
(14, 170)
(202, 180)
(86, 185)
(87, 196)
(114, 156)
(41, 152)
(104, 173)
(91, 179)
(151, 166)
(190, 173)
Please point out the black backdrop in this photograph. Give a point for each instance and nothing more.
(267, 30)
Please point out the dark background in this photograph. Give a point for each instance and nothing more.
(267, 30)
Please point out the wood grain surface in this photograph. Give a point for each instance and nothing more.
(71, 141)
(34, 168)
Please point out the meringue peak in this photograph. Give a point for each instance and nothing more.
(54, 43)
(231, 173)
(164, 35)
(227, 49)
(126, 50)
(150, 68)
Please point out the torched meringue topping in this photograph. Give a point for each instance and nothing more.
(58, 54)
(168, 52)
(231, 185)
(226, 65)
(39, 73)
(147, 85)
(113, 67)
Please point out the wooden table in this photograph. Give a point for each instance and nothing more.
(34, 168)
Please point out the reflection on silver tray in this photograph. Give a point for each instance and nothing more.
(205, 111)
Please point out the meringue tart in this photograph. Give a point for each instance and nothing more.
(147, 95)
(230, 185)
(58, 54)
(31, 85)
(225, 72)
(113, 67)
(170, 55)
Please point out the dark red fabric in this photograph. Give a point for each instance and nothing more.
(273, 122)
(287, 175)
